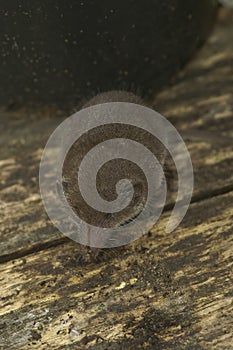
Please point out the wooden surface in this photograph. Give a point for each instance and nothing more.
(162, 292)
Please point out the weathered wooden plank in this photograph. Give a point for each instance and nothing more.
(23, 221)
(162, 292)
(199, 105)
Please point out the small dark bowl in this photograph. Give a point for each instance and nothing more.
(61, 51)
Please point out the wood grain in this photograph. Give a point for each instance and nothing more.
(162, 292)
